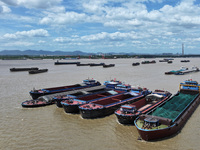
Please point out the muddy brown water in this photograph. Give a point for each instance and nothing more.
(51, 128)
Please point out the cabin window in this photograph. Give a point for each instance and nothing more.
(152, 122)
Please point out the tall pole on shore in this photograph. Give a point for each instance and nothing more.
(182, 49)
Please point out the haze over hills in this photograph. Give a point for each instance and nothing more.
(43, 52)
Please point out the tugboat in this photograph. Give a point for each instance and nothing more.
(126, 114)
(86, 83)
(106, 106)
(36, 103)
(169, 117)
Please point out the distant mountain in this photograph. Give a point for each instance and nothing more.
(42, 52)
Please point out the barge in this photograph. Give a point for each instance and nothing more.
(71, 105)
(194, 69)
(109, 65)
(37, 71)
(86, 83)
(107, 86)
(126, 114)
(176, 71)
(66, 63)
(106, 106)
(23, 69)
(167, 119)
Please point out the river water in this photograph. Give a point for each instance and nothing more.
(51, 128)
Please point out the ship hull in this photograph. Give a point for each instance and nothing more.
(71, 108)
(105, 111)
(149, 135)
(125, 119)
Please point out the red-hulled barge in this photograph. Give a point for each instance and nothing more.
(71, 105)
(167, 119)
(107, 106)
(126, 114)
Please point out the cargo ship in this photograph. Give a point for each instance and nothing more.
(168, 118)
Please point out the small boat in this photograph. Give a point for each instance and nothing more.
(93, 64)
(36, 103)
(23, 69)
(126, 114)
(37, 71)
(107, 106)
(109, 65)
(169, 117)
(176, 71)
(185, 60)
(149, 62)
(194, 69)
(135, 64)
(71, 105)
(66, 63)
(169, 62)
(86, 83)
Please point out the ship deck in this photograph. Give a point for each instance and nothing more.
(140, 124)
(173, 108)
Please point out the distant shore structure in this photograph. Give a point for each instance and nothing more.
(182, 49)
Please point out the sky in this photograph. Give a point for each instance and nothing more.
(130, 26)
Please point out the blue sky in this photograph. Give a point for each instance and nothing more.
(139, 26)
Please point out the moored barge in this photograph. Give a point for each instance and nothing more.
(23, 69)
(71, 104)
(86, 83)
(126, 114)
(167, 119)
(107, 106)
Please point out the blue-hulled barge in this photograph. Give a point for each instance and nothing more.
(41, 92)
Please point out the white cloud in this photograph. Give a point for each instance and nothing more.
(103, 36)
(41, 4)
(41, 42)
(63, 18)
(18, 43)
(4, 8)
(31, 33)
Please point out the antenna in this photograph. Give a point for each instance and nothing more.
(182, 49)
